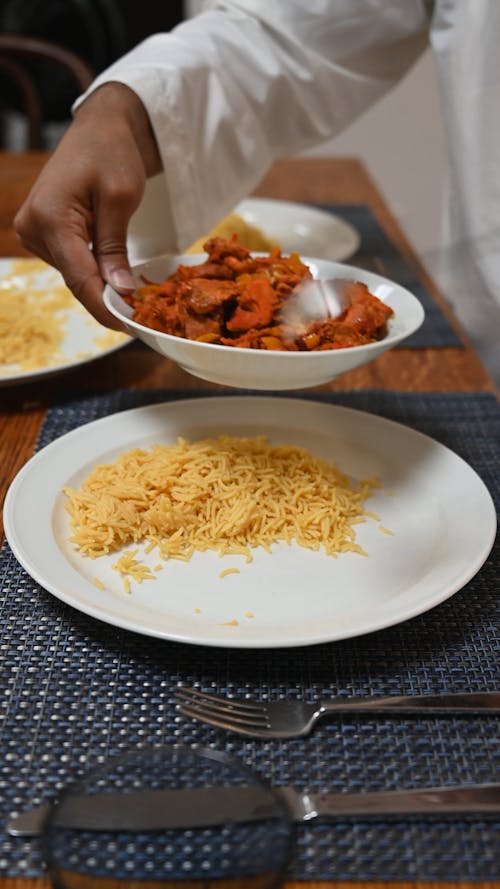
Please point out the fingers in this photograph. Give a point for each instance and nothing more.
(86, 193)
(58, 222)
(81, 273)
(67, 249)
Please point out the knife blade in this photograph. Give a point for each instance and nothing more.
(209, 806)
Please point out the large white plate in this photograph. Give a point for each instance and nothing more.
(307, 230)
(84, 338)
(440, 511)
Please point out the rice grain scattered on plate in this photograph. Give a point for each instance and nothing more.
(225, 494)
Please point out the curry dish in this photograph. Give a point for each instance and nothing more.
(237, 299)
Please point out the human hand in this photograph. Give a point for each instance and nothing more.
(77, 213)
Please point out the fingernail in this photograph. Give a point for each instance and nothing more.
(121, 279)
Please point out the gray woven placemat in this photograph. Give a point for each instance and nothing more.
(436, 331)
(75, 691)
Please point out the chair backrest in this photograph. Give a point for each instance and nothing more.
(16, 53)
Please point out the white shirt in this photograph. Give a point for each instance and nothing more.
(246, 82)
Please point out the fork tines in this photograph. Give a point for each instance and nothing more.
(218, 710)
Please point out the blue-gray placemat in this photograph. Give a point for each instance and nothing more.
(436, 331)
(75, 691)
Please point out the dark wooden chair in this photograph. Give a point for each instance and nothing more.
(17, 54)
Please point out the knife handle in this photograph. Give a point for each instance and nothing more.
(439, 801)
(482, 799)
(468, 702)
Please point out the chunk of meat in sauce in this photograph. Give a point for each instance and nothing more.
(204, 296)
(255, 307)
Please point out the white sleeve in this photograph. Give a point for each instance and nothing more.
(244, 83)
(464, 38)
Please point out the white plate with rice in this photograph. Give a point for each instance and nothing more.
(421, 545)
(43, 328)
(309, 231)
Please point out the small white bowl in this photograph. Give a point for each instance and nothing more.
(259, 368)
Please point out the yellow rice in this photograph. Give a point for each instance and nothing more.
(128, 565)
(34, 319)
(248, 235)
(386, 530)
(226, 494)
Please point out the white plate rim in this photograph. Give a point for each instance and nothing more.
(22, 548)
(24, 376)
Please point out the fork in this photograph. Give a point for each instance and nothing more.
(293, 719)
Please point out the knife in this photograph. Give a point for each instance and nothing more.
(209, 806)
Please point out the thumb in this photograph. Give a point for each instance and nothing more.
(116, 271)
(110, 251)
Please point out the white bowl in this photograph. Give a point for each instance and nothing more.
(259, 368)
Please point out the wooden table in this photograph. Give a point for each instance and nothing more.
(325, 180)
